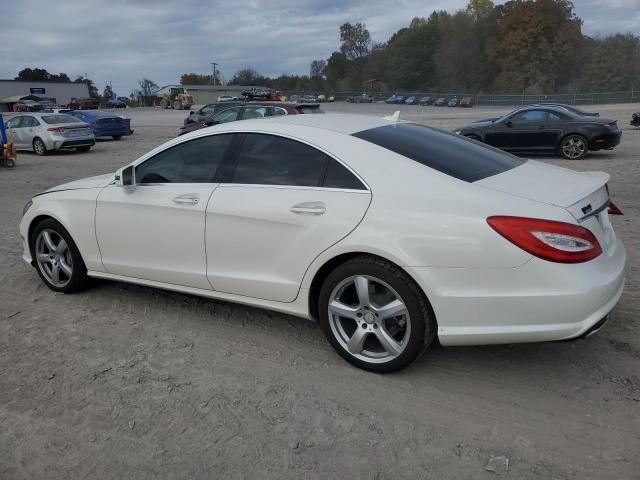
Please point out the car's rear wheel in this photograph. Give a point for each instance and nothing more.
(177, 105)
(574, 147)
(374, 315)
(39, 147)
(57, 258)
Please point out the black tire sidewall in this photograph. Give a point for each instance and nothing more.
(423, 327)
(79, 270)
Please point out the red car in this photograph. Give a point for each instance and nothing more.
(83, 104)
(252, 110)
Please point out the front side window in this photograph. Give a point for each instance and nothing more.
(255, 112)
(195, 161)
(226, 116)
(531, 116)
(272, 160)
(14, 122)
(277, 111)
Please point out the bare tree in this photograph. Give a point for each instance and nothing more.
(317, 68)
(355, 40)
(147, 87)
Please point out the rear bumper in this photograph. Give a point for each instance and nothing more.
(537, 302)
(606, 141)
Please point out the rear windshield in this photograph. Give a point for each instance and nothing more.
(310, 109)
(448, 153)
(61, 118)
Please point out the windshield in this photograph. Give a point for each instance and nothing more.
(59, 118)
(458, 157)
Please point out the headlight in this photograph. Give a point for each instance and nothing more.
(27, 207)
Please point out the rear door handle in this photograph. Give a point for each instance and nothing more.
(187, 199)
(309, 208)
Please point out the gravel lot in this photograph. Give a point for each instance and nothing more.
(124, 381)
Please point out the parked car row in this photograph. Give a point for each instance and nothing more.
(64, 129)
(546, 128)
(465, 102)
(362, 98)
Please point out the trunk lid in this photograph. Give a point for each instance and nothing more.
(584, 195)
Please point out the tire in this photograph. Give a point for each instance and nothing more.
(39, 147)
(574, 147)
(7, 162)
(51, 257)
(387, 344)
(83, 149)
(117, 137)
(177, 105)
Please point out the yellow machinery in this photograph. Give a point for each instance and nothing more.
(177, 98)
(7, 148)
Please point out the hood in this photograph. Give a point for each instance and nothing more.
(479, 123)
(91, 182)
(547, 183)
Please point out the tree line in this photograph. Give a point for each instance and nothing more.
(521, 46)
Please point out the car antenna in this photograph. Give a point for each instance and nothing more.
(393, 118)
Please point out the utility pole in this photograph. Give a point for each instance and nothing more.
(213, 66)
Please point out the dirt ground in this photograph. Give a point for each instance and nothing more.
(123, 381)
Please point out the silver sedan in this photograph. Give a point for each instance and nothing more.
(44, 132)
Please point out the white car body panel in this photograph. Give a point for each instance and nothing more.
(483, 289)
(258, 247)
(148, 232)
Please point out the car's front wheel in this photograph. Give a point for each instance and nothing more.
(57, 258)
(375, 315)
(574, 147)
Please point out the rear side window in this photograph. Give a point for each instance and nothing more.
(271, 160)
(447, 153)
(338, 176)
(195, 161)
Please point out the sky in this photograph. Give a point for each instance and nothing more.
(122, 41)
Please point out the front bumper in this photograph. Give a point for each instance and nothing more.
(536, 302)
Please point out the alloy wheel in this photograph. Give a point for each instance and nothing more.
(54, 258)
(369, 319)
(39, 147)
(573, 147)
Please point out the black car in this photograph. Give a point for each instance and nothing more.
(425, 101)
(546, 129)
(635, 119)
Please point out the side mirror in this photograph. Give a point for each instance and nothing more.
(509, 123)
(125, 177)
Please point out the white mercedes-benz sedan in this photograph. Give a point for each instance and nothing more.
(389, 233)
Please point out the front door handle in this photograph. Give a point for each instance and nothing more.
(187, 199)
(309, 208)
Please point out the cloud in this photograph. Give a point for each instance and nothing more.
(124, 40)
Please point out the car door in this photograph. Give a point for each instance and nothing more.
(14, 131)
(524, 131)
(155, 230)
(283, 203)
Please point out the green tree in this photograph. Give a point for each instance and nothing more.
(537, 46)
(197, 79)
(614, 65)
(41, 75)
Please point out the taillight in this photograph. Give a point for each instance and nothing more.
(56, 129)
(553, 241)
(613, 209)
